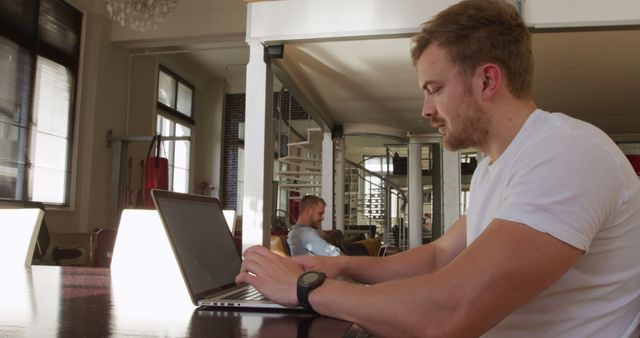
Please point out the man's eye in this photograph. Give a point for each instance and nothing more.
(432, 90)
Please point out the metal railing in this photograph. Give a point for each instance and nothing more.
(362, 209)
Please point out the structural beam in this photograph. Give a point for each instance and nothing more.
(414, 173)
(327, 179)
(310, 19)
(304, 20)
(339, 183)
(258, 146)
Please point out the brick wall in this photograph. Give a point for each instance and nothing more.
(234, 115)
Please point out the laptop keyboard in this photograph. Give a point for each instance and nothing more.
(248, 293)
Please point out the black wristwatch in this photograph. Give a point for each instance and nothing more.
(307, 282)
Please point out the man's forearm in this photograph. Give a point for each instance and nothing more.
(360, 268)
(424, 259)
(392, 315)
(504, 268)
(373, 270)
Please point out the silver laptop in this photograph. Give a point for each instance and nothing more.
(205, 251)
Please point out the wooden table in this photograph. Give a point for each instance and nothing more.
(50, 301)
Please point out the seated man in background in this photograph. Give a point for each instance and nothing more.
(304, 237)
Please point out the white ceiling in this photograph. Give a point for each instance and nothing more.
(227, 63)
(592, 75)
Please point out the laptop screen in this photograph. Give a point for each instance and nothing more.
(201, 240)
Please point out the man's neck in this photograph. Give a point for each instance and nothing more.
(507, 120)
(304, 223)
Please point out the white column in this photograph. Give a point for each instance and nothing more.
(339, 186)
(258, 147)
(327, 180)
(450, 187)
(414, 171)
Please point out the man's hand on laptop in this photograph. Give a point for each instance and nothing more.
(274, 276)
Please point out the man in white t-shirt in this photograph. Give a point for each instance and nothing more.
(549, 246)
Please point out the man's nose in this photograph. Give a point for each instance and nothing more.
(428, 108)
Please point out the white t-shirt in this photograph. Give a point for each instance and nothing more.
(565, 177)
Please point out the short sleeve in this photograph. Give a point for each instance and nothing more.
(563, 184)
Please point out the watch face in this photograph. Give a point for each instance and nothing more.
(309, 278)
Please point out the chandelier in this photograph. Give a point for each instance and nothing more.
(140, 15)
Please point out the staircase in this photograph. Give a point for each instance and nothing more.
(374, 200)
(367, 194)
(368, 199)
(301, 170)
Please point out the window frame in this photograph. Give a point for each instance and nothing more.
(176, 117)
(174, 112)
(32, 38)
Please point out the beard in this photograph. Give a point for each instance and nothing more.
(467, 127)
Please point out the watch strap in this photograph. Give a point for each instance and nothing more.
(303, 297)
(304, 289)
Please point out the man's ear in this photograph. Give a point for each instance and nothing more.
(491, 79)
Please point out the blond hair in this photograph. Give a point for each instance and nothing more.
(310, 201)
(474, 32)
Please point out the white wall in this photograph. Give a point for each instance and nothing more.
(117, 91)
(210, 135)
(141, 114)
(101, 105)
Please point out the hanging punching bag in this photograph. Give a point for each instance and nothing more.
(156, 172)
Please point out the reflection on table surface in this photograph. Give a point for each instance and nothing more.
(68, 302)
(275, 324)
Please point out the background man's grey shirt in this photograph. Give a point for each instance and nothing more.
(305, 240)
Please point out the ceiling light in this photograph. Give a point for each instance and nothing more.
(140, 15)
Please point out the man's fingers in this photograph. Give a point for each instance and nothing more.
(259, 264)
(257, 250)
(263, 263)
(253, 262)
(253, 266)
(245, 277)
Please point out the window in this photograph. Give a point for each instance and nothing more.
(39, 56)
(175, 119)
(175, 96)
